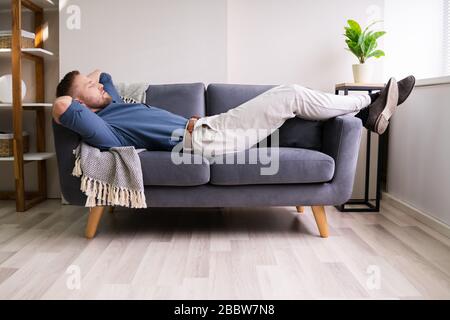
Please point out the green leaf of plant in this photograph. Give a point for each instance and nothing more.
(371, 24)
(376, 54)
(354, 25)
(352, 34)
(355, 49)
(369, 44)
(379, 34)
(362, 43)
(351, 43)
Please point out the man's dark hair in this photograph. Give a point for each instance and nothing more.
(65, 85)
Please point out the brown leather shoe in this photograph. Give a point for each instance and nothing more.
(405, 87)
(383, 108)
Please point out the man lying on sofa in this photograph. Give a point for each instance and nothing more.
(91, 106)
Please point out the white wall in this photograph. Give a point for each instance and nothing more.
(295, 41)
(419, 149)
(249, 41)
(157, 41)
(419, 152)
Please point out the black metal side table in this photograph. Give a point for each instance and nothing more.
(381, 159)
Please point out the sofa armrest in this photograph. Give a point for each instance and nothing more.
(65, 141)
(341, 140)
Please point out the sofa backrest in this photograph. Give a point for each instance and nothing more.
(185, 99)
(295, 132)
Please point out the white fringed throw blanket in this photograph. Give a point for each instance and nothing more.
(112, 177)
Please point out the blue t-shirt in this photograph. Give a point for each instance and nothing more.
(124, 124)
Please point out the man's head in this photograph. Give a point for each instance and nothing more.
(84, 89)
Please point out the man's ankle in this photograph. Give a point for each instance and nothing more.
(363, 114)
(374, 96)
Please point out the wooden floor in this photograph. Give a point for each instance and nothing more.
(238, 253)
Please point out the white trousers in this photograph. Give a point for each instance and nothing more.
(247, 124)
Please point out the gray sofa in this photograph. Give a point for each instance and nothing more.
(317, 160)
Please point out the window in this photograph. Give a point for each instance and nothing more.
(418, 39)
(447, 35)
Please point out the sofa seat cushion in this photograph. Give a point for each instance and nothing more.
(158, 169)
(292, 165)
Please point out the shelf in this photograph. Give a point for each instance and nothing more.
(32, 156)
(37, 55)
(45, 4)
(27, 106)
(38, 52)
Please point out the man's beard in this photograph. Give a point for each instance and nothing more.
(107, 100)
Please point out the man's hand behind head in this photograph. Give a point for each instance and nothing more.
(95, 75)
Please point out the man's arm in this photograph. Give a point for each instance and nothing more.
(77, 117)
(106, 80)
(108, 85)
(60, 105)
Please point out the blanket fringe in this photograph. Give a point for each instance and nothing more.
(77, 168)
(101, 193)
(115, 196)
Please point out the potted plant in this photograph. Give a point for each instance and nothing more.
(363, 45)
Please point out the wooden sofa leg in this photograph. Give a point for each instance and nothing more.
(321, 220)
(111, 209)
(95, 215)
(300, 209)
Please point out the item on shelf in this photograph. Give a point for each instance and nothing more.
(6, 143)
(6, 39)
(6, 89)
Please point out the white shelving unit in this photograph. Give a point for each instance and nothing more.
(38, 52)
(26, 105)
(32, 156)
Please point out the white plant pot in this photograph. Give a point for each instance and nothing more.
(362, 73)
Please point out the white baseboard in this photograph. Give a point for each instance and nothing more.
(423, 217)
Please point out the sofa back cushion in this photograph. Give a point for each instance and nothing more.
(185, 99)
(294, 133)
